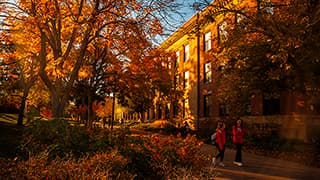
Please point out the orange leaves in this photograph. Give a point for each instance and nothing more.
(171, 149)
(156, 27)
(85, 72)
(136, 5)
(46, 113)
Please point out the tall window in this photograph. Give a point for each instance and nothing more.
(186, 52)
(175, 109)
(207, 105)
(169, 63)
(207, 72)
(159, 113)
(176, 81)
(223, 110)
(222, 29)
(186, 80)
(177, 59)
(207, 41)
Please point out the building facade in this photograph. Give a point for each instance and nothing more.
(195, 45)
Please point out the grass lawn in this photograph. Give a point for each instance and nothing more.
(10, 135)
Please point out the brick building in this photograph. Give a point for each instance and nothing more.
(194, 73)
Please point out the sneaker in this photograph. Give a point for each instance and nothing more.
(237, 163)
(221, 164)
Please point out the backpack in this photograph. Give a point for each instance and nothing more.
(213, 138)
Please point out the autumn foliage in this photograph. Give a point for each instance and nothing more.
(67, 43)
(56, 149)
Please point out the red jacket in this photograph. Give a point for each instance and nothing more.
(221, 138)
(237, 134)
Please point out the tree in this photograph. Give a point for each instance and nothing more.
(143, 79)
(59, 34)
(268, 49)
(18, 74)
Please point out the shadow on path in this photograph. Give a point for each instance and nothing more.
(261, 167)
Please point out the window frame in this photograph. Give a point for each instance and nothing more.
(186, 50)
(207, 73)
(222, 33)
(186, 76)
(177, 61)
(207, 105)
(207, 41)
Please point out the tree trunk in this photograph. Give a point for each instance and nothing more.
(23, 100)
(22, 107)
(58, 105)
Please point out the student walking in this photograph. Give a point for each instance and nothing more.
(237, 138)
(220, 143)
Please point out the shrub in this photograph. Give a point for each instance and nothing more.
(59, 138)
(163, 126)
(56, 149)
(100, 166)
(150, 155)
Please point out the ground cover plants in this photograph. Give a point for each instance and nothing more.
(58, 149)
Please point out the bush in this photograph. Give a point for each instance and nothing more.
(100, 166)
(163, 126)
(58, 138)
(150, 155)
(56, 149)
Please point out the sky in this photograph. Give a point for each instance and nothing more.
(184, 11)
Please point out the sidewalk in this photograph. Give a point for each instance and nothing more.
(261, 168)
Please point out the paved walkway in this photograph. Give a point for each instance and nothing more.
(261, 168)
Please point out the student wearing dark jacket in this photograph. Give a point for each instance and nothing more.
(237, 138)
(220, 143)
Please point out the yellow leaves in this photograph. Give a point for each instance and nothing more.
(54, 72)
(85, 72)
(58, 61)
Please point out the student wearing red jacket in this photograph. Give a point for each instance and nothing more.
(220, 143)
(237, 138)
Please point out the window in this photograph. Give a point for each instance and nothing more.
(176, 81)
(159, 111)
(175, 109)
(207, 105)
(222, 30)
(186, 52)
(207, 72)
(223, 110)
(186, 80)
(169, 63)
(177, 59)
(207, 41)
(167, 111)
